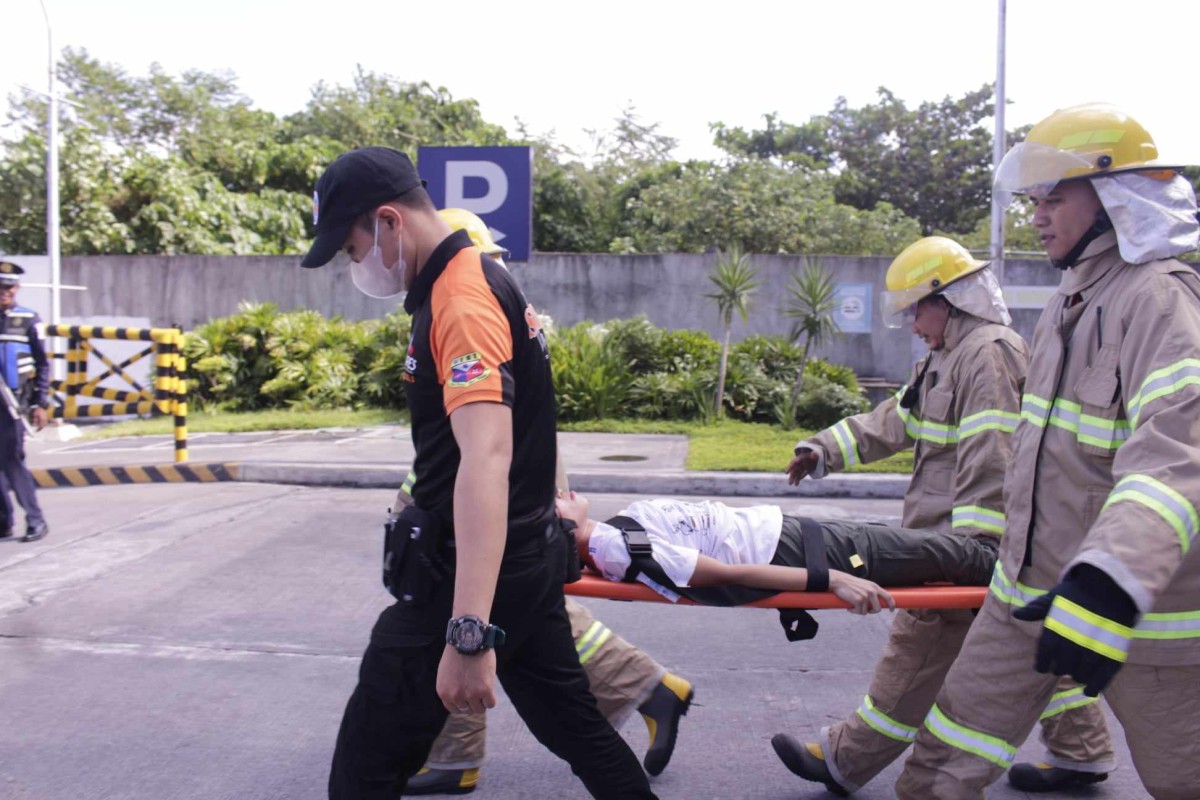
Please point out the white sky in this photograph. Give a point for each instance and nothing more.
(568, 66)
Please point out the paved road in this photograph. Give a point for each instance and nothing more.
(194, 642)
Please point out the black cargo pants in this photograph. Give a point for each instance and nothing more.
(893, 556)
(394, 714)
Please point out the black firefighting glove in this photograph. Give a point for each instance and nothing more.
(1088, 628)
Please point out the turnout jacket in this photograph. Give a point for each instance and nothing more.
(1106, 461)
(967, 407)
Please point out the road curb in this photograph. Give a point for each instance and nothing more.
(65, 477)
(379, 476)
(706, 484)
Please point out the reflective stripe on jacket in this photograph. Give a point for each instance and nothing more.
(960, 427)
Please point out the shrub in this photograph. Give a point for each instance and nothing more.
(640, 343)
(822, 404)
(746, 384)
(839, 374)
(779, 357)
(383, 385)
(592, 380)
(690, 350)
(262, 358)
(317, 363)
(230, 360)
(684, 395)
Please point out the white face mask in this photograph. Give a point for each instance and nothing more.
(375, 279)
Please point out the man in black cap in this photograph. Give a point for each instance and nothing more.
(486, 599)
(26, 376)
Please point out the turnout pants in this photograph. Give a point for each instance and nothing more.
(15, 475)
(992, 697)
(620, 675)
(394, 714)
(921, 648)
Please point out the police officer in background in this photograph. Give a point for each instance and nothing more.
(26, 378)
(477, 380)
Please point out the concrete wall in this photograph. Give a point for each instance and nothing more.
(669, 289)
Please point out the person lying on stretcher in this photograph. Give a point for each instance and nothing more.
(709, 543)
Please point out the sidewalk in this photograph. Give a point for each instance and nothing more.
(380, 458)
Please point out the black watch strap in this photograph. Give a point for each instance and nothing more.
(470, 635)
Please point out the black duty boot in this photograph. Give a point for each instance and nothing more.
(442, 781)
(35, 532)
(806, 760)
(1043, 777)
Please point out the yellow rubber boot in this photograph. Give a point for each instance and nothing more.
(661, 712)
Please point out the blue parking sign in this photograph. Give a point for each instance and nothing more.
(494, 183)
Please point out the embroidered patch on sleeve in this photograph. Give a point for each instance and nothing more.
(533, 320)
(466, 370)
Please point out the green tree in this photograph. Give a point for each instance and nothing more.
(381, 110)
(581, 204)
(165, 164)
(760, 206)
(736, 281)
(777, 140)
(932, 162)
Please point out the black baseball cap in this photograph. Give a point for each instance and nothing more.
(353, 184)
(10, 273)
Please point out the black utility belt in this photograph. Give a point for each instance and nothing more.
(418, 553)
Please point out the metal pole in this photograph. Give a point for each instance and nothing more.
(52, 237)
(999, 147)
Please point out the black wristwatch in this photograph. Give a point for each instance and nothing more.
(470, 636)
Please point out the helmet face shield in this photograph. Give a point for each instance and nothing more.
(899, 308)
(1035, 168)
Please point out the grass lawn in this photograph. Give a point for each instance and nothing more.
(733, 446)
(232, 422)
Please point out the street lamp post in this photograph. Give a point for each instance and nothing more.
(52, 235)
(998, 147)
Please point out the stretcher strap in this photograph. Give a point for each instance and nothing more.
(814, 556)
(641, 553)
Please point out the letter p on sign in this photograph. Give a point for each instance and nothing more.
(459, 173)
(496, 183)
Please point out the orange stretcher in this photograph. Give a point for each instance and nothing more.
(591, 585)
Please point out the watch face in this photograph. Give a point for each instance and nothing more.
(469, 635)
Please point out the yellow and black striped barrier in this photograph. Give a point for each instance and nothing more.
(107, 476)
(169, 395)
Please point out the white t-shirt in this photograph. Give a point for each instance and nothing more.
(680, 532)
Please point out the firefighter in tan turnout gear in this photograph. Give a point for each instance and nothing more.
(1098, 576)
(958, 411)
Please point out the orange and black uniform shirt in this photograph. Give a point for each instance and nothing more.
(475, 339)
